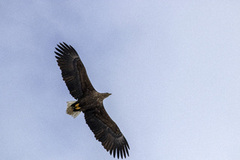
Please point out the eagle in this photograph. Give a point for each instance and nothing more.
(89, 101)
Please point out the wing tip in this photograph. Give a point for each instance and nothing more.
(120, 151)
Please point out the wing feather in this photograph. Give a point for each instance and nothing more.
(73, 71)
(107, 132)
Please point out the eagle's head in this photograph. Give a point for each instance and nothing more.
(105, 95)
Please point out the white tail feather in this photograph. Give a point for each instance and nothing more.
(70, 111)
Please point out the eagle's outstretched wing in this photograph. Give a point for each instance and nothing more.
(73, 71)
(107, 132)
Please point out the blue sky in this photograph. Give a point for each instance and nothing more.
(173, 68)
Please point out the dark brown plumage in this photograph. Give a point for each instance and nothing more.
(90, 102)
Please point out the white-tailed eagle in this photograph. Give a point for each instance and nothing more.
(89, 101)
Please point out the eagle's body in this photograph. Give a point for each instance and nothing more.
(89, 101)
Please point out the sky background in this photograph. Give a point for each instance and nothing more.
(173, 68)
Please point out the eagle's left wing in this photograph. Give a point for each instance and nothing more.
(106, 131)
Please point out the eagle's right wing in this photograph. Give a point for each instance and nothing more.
(73, 71)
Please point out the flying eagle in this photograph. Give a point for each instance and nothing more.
(89, 101)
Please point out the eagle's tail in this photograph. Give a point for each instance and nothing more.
(70, 110)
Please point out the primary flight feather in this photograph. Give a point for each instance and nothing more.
(89, 101)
